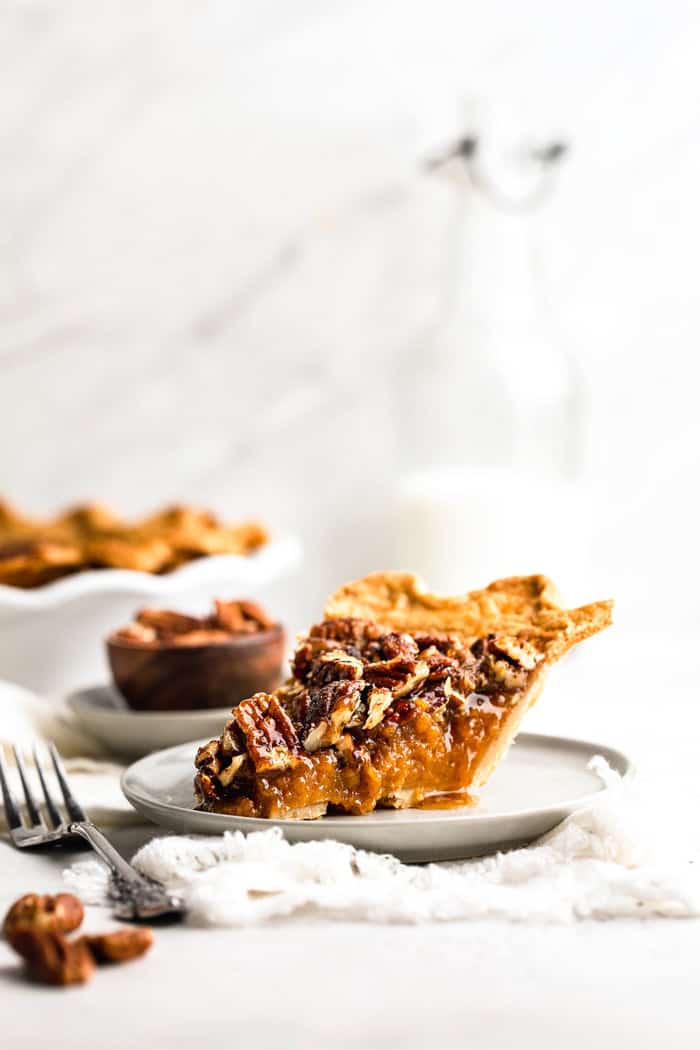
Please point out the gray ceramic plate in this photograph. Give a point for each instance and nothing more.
(542, 780)
(104, 714)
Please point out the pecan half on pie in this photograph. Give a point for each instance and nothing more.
(396, 698)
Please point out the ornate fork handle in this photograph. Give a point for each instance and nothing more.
(135, 896)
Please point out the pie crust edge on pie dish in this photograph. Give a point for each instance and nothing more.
(35, 552)
(525, 606)
(518, 615)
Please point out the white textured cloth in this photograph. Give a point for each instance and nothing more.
(593, 865)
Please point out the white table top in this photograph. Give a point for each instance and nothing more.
(307, 983)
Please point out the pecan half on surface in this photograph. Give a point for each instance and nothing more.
(52, 959)
(119, 945)
(44, 913)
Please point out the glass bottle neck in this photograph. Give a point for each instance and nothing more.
(491, 270)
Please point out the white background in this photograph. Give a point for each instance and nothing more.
(215, 254)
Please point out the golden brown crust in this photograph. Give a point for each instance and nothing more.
(515, 609)
(34, 552)
(32, 563)
(522, 606)
(508, 730)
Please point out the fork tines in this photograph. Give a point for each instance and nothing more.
(36, 822)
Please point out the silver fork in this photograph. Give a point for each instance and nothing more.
(134, 895)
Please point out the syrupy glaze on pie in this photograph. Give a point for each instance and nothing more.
(370, 717)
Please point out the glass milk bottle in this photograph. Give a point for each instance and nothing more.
(493, 420)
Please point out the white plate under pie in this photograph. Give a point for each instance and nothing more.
(542, 780)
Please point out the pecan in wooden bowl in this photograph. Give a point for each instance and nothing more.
(169, 661)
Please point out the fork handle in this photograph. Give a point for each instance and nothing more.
(135, 895)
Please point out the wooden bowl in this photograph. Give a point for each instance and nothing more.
(190, 677)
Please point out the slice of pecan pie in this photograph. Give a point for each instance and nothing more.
(397, 698)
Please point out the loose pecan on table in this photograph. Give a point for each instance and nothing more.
(43, 913)
(36, 925)
(119, 945)
(51, 958)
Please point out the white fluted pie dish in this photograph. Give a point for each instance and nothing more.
(52, 637)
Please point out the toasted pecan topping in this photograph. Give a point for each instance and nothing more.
(232, 770)
(400, 674)
(208, 758)
(378, 700)
(347, 631)
(271, 739)
(350, 676)
(331, 708)
(334, 666)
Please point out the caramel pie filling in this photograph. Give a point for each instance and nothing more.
(370, 717)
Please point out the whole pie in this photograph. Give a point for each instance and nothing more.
(34, 552)
(397, 698)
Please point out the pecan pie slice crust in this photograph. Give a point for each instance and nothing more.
(397, 698)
